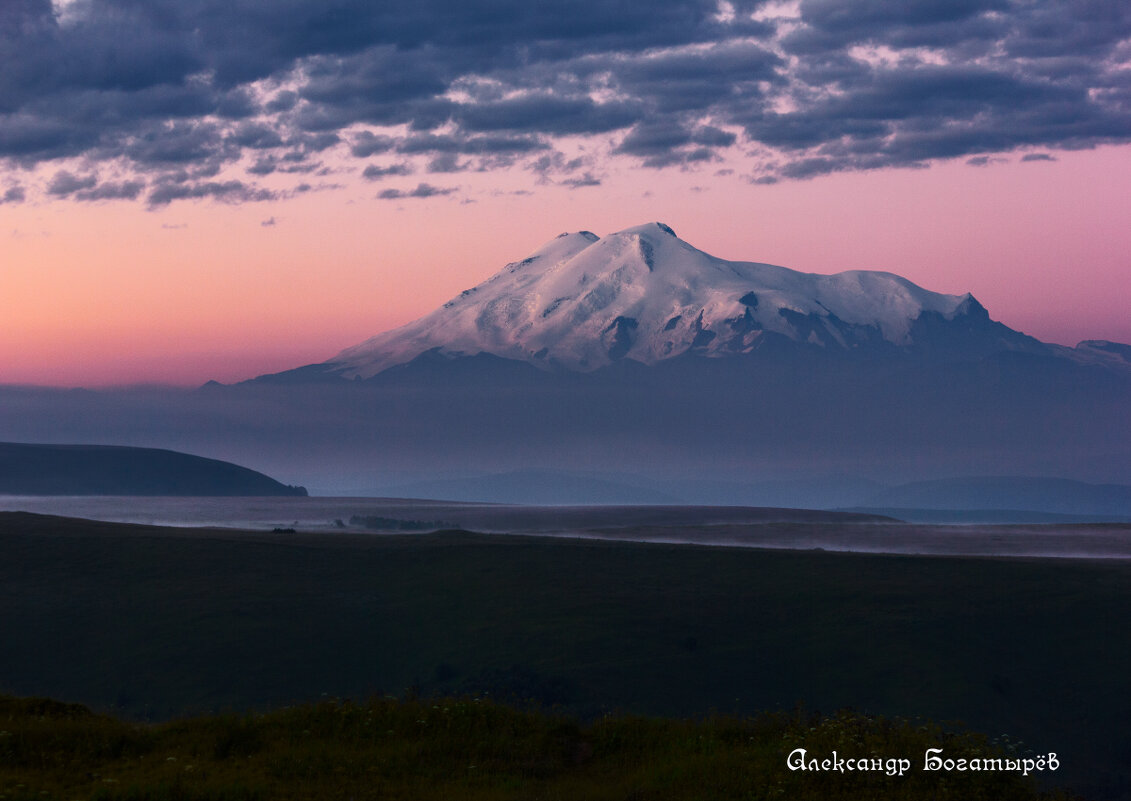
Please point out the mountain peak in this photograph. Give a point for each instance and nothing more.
(647, 229)
(581, 302)
(969, 305)
(592, 237)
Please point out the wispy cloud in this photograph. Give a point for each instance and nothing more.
(422, 190)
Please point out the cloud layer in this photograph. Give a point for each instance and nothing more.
(173, 99)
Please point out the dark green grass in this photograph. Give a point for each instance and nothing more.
(468, 748)
(154, 624)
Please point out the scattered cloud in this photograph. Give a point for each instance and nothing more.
(263, 166)
(367, 143)
(422, 190)
(123, 190)
(582, 181)
(447, 162)
(64, 183)
(227, 94)
(983, 161)
(226, 191)
(375, 173)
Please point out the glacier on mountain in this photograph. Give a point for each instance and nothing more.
(581, 302)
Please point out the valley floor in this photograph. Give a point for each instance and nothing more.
(154, 623)
(756, 527)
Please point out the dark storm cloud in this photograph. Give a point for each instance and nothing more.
(655, 137)
(27, 138)
(1082, 29)
(833, 24)
(700, 79)
(548, 114)
(906, 100)
(282, 101)
(381, 86)
(861, 17)
(666, 142)
(257, 88)
(180, 143)
(256, 136)
(314, 143)
(901, 117)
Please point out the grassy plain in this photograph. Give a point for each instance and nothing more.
(154, 623)
(468, 748)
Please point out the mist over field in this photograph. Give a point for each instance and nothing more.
(636, 357)
(697, 422)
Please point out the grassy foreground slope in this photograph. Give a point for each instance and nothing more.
(158, 622)
(465, 748)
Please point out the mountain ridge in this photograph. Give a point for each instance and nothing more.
(581, 303)
(49, 469)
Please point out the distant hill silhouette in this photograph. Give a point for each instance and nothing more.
(32, 469)
(1052, 495)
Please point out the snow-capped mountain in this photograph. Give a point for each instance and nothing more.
(638, 354)
(581, 302)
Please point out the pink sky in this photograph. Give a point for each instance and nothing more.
(97, 294)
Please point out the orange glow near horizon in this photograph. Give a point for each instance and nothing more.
(110, 294)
